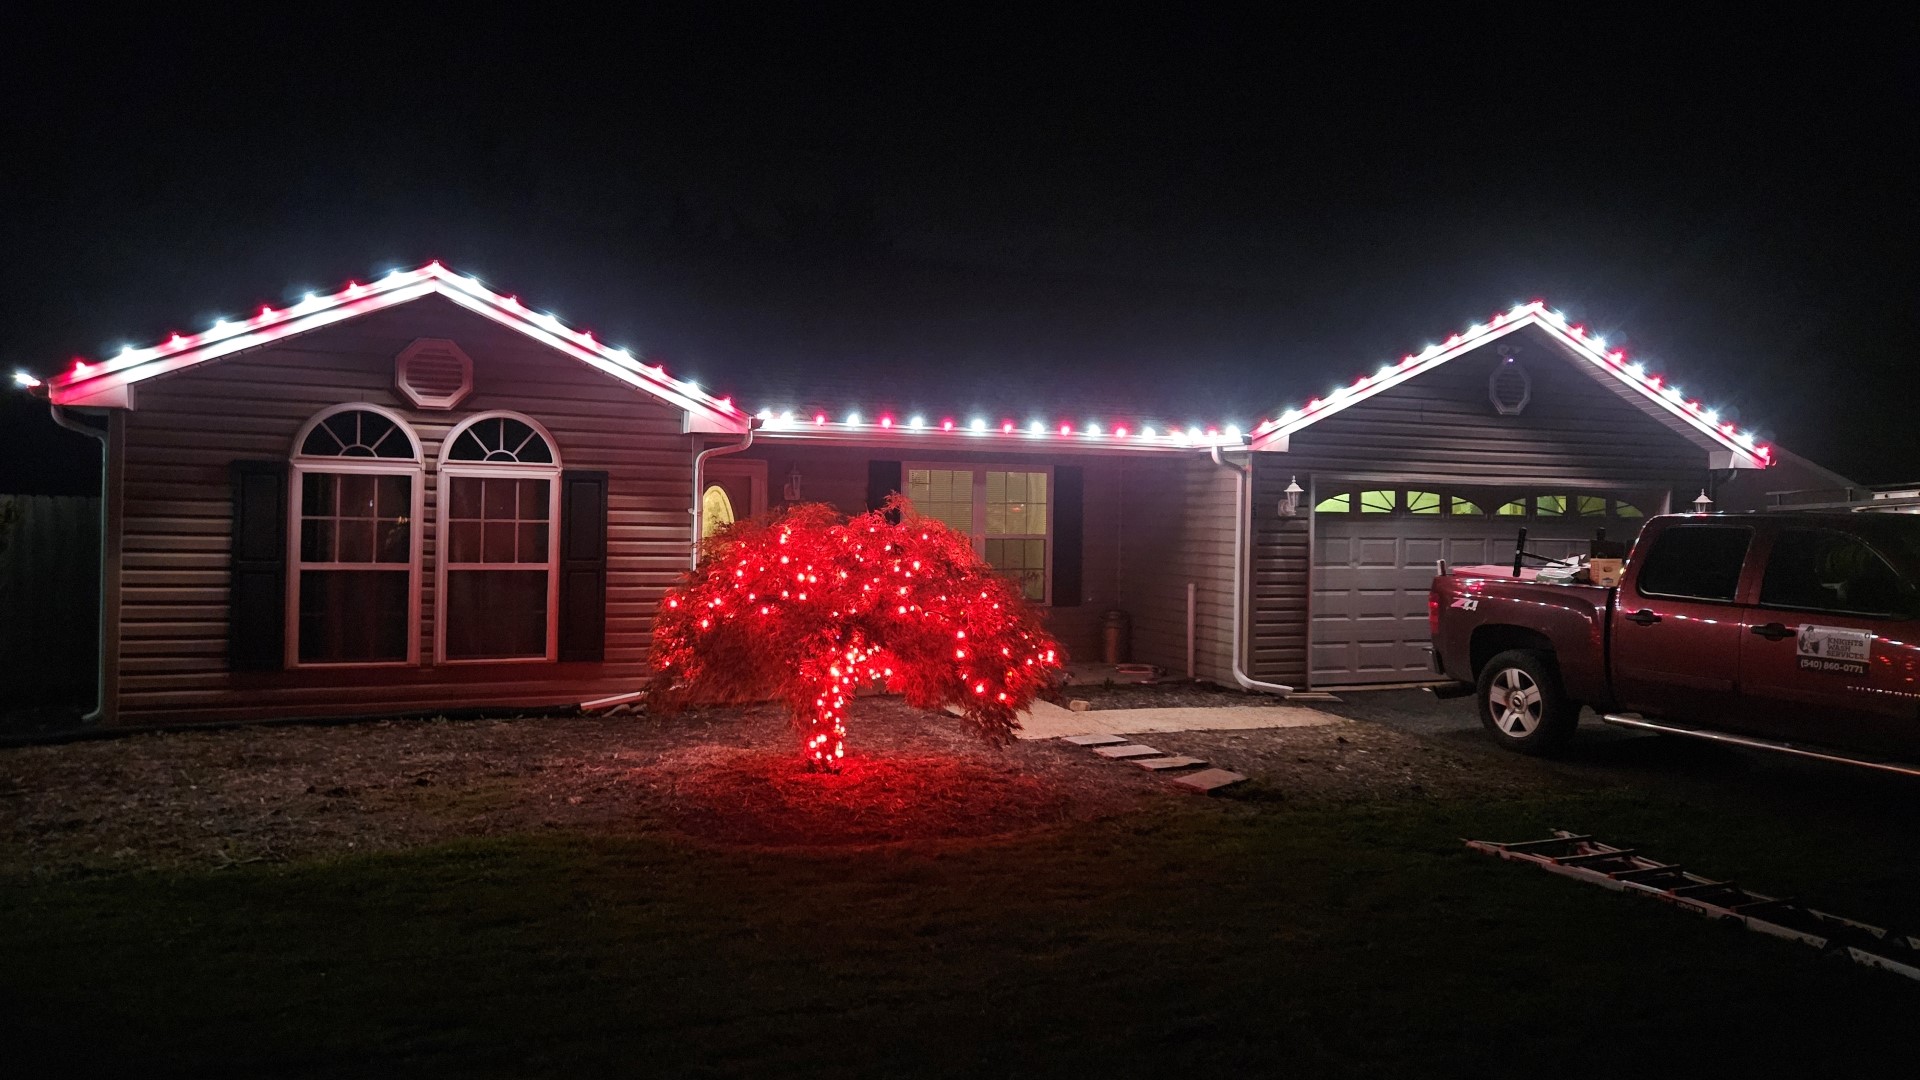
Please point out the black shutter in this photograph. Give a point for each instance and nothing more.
(583, 565)
(257, 583)
(883, 479)
(1068, 536)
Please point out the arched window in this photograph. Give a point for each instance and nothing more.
(353, 586)
(716, 510)
(1334, 504)
(497, 590)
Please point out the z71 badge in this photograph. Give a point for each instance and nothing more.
(1466, 603)
(1838, 649)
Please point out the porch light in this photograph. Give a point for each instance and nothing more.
(1703, 505)
(1290, 505)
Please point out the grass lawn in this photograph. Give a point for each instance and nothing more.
(1182, 936)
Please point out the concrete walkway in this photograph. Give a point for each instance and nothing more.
(1046, 720)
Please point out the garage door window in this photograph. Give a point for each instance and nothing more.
(1455, 504)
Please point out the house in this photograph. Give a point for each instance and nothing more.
(418, 494)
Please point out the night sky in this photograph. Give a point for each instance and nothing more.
(1223, 219)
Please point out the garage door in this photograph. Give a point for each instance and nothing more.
(1374, 555)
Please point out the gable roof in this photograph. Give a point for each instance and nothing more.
(106, 383)
(1742, 451)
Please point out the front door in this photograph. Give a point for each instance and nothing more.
(1677, 633)
(1830, 654)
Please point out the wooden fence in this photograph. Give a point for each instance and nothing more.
(49, 599)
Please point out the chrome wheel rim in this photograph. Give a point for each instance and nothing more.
(1515, 703)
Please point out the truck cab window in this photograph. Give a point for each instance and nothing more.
(1695, 562)
(1821, 570)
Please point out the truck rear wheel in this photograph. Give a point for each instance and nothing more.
(1522, 704)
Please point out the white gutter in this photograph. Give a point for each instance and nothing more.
(1240, 583)
(699, 485)
(100, 616)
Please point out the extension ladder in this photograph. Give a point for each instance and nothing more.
(1583, 858)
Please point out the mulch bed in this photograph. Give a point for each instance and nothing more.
(733, 777)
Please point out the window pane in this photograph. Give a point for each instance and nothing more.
(355, 541)
(943, 495)
(466, 497)
(353, 616)
(1626, 510)
(498, 542)
(394, 539)
(1024, 561)
(1465, 508)
(1696, 561)
(356, 495)
(496, 614)
(1592, 506)
(393, 496)
(1333, 504)
(533, 500)
(533, 542)
(1550, 505)
(501, 498)
(1829, 571)
(1376, 502)
(1516, 508)
(318, 494)
(316, 540)
(464, 542)
(1423, 502)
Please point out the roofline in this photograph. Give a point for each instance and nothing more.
(1744, 452)
(105, 384)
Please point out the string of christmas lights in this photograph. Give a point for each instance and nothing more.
(93, 382)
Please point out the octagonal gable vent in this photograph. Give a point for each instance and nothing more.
(433, 373)
(1509, 387)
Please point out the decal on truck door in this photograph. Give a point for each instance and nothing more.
(1837, 649)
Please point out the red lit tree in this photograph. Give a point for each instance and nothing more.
(806, 607)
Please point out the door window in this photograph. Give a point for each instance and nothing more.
(1695, 562)
(1823, 570)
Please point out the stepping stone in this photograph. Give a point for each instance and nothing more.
(1093, 740)
(1133, 750)
(1207, 781)
(1158, 763)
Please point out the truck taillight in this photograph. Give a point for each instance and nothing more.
(1433, 613)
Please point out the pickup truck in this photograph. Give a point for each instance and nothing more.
(1795, 632)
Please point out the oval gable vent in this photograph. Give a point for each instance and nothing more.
(433, 373)
(1509, 387)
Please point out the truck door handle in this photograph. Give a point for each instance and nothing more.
(1644, 617)
(1772, 631)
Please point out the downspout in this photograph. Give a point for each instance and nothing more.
(61, 418)
(699, 482)
(1240, 582)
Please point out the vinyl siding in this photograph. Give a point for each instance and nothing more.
(1177, 515)
(186, 428)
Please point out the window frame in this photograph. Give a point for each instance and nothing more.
(979, 532)
(446, 471)
(302, 464)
